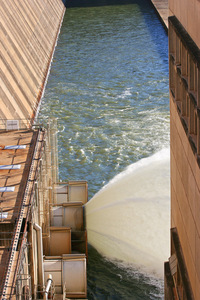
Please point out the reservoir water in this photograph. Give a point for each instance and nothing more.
(108, 87)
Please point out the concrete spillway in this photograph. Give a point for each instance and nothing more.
(28, 34)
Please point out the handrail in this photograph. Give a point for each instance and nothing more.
(19, 124)
(18, 224)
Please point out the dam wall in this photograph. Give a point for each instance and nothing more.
(29, 31)
(188, 13)
(185, 198)
(184, 71)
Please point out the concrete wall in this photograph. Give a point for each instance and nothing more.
(188, 13)
(185, 133)
(28, 33)
(185, 198)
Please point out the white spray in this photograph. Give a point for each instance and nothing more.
(128, 219)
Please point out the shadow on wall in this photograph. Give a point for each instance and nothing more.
(87, 3)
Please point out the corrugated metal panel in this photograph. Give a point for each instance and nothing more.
(28, 33)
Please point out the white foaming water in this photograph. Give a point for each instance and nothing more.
(128, 219)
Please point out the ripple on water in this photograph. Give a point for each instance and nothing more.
(108, 88)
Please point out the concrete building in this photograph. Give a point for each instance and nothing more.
(43, 241)
(182, 272)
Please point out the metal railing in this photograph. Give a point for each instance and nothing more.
(39, 194)
(23, 287)
(8, 213)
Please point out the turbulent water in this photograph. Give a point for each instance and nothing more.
(128, 219)
(108, 87)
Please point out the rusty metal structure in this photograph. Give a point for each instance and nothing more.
(43, 241)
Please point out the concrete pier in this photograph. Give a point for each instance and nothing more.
(161, 7)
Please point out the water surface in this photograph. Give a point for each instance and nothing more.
(108, 87)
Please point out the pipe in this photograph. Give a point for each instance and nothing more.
(40, 254)
(49, 282)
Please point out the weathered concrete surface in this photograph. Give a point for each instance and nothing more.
(161, 7)
(28, 34)
(185, 170)
(188, 13)
(185, 198)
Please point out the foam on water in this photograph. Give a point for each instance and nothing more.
(128, 219)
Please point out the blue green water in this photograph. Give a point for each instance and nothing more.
(108, 87)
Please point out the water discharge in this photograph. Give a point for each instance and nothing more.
(108, 88)
(128, 219)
